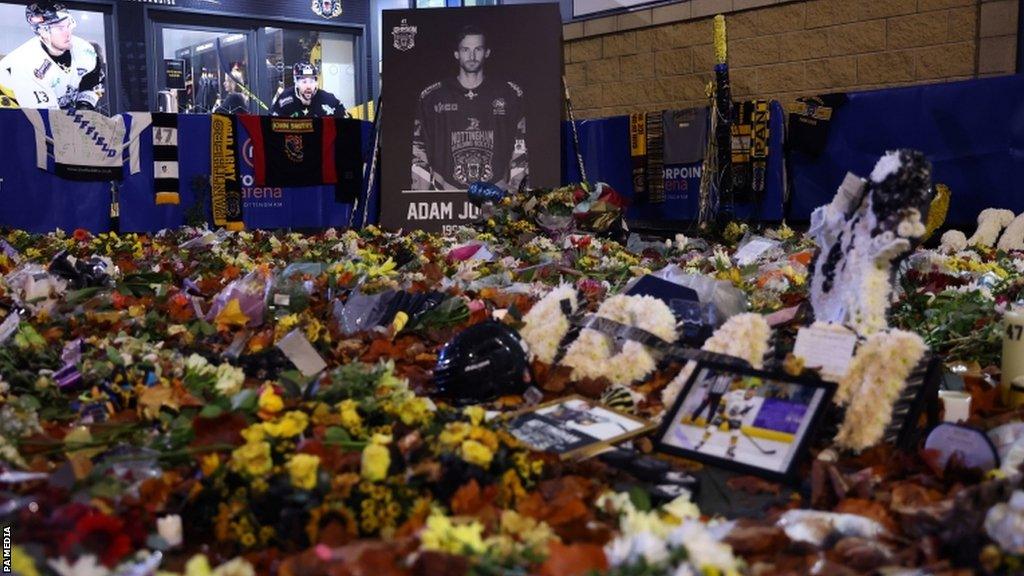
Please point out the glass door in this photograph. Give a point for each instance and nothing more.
(205, 70)
(334, 54)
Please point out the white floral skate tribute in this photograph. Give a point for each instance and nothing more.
(863, 234)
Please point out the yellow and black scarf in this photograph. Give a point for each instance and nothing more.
(225, 179)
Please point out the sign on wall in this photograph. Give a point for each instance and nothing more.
(587, 7)
(470, 94)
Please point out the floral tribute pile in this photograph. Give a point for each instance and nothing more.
(151, 424)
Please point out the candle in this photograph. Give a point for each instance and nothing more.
(1013, 355)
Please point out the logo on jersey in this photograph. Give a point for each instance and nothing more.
(248, 151)
(293, 147)
(42, 70)
(404, 36)
(326, 8)
(472, 154)
(446, 107)
(498, 107)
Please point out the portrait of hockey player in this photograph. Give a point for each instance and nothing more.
(746, 419)
(54, 67)
(476, 97)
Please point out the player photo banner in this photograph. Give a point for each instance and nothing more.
(225, 184)
(473, 94)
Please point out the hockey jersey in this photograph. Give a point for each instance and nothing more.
(35, 79)
(86, 145)
(462, 136)
(322, 104)
(303, 151)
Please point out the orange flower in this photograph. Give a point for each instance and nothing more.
(81, 234)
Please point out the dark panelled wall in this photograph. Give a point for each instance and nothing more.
(132, 23)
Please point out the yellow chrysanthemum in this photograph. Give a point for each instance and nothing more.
(476, 453)
(302, 470)
(350, 418)
(269, 401)
(252, 458)
(291, 424)
(376, 459)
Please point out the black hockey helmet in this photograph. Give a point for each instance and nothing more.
(46, 13)
(301, 69)
(483, 361)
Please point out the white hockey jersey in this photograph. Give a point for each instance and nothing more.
(36, 80)
(85, 145)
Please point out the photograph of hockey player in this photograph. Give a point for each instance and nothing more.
(54, 68)
(741, 418)
(233, 101)
(468, 95)
(470, 127)
(308, 99)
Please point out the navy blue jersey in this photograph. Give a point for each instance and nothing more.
(463, 135)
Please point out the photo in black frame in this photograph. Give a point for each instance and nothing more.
(747, 420)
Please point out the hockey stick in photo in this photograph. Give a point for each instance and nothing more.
(575, 134)
(371, 175)
(766, 452)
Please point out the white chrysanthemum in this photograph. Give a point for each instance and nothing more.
(872, 384)
(705, 552)
(198, 365)
(991, 222)
(229, 379)
(546, 324)
(593, 354)
(743, 336)
(953, 241)
(1013, 236)
(886, 165)
(911, 226)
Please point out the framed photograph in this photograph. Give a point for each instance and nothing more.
(744, 419)
(574, 427)
(472, 95)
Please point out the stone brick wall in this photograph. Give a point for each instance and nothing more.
(662, 57)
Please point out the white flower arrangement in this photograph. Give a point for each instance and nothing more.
(991, 222)
(593, 354)
(654, 536)
(546, 324)
(873, 382)
(744, 336)
(1013, 236)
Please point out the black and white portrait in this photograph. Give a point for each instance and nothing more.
(468, 95)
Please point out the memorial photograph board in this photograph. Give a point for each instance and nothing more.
(467, 95)
(743, 419)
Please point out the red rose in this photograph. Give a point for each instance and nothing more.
(101, 535)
